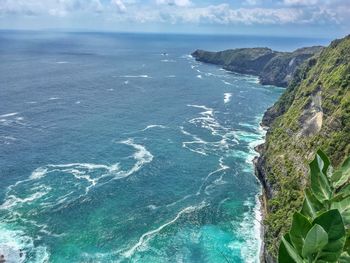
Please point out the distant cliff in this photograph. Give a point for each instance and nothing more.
(313, 113)
(272, 67)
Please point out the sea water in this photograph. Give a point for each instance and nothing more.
(123, 148)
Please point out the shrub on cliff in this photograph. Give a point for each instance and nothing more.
(320, 232)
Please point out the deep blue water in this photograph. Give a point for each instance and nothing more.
(114, 152)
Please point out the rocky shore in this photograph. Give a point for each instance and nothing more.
(313, 113)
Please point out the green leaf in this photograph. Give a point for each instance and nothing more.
(342, 175)
(344, 208)
(319, 181)
(311, 206)
(315, 240)
(344, 258)
(347, 242)
(293, 254)
(332, 222)
(326, 162)
(283, 255)
(344, 191)
(300, 227)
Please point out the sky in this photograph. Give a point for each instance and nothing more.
(305, 18)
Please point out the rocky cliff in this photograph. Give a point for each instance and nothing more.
(313, 113)
(272, 67)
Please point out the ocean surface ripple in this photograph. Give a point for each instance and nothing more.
(113, 151)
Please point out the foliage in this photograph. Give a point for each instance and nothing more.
(320, 232)
(288, 151)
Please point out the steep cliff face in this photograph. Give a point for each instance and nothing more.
(313, 113)
(272, 67)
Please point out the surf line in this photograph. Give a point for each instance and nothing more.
(148, 235)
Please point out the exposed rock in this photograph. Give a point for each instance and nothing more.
(313, 113)
(311, 118)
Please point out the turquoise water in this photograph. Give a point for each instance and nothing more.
(112, 151)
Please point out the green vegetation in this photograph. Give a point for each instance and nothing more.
(314, 113)
(320, 232)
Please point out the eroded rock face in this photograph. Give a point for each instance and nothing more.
(313, 113)
(312, 117)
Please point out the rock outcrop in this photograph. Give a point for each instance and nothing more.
(272, 67)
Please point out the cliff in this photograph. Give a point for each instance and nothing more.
(272, 67)
(313, 113)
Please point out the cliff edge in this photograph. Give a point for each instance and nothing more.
(313, 113)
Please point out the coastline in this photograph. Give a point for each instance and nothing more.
(261, 205)
(265, 194)
(257, 147)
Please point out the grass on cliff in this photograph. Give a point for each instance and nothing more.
(288, 150)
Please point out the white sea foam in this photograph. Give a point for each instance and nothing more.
(152, 207)
(227, 97)
(39, 183)
(150, 234)
(12, 200)
(142, 156)
(135, 76)
(15, 241)
(171, 76)
(188, 57)
(9, 114)
(226, 82)
(179, 201)
(62, 62)
(54, 98)
(219, 180)
(249, 231)
(200, 107)
(12, 119)
(38, 173)
(168, 60)
(207, 178)
(197, 140)
(208, 121)
(152, 126)
(199, 76)
(247, 125)
(89, 166)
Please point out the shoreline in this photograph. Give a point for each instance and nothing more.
(264, 195)
(258, 163)
(261, 198)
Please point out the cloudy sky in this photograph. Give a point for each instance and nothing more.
(321, 18)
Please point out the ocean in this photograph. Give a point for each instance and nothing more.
(123, 148)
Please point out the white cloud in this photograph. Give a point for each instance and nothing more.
(251, 2)
(300, 2)
(119, 4)
(181, 3)
(252, 12)
(51, 7)
(224, 14)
